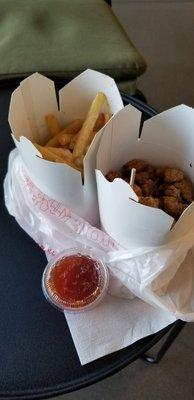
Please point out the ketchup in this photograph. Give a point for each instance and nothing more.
(76, 280)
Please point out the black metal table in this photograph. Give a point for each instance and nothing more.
(37, 356)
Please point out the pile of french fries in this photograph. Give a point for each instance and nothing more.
(70, 144)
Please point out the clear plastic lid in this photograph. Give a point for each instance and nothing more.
(75, 280)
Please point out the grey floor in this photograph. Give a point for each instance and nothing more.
(164, 33)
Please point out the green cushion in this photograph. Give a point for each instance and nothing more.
(63, 38)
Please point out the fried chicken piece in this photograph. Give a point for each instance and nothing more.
(162, 188)
(141, 177)
(157, 192)
(172, 206)
(148, 187)
(185, 187)
(137, 190)
(149, 201)
(139, 165)
(151, 171)
(161, 203)
(173, 175)
(172, 191)
(126, 179)
(112, 175)
(183, 207)
(160, 172)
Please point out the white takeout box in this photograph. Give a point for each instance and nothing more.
(30, 102)
(166, 139)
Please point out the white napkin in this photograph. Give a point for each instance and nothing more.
(113, 325)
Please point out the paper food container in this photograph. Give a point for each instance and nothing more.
(30, 102)
(167, 139)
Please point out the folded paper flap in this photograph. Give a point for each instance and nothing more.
(119, 139)
(27, 146)
(49, 171)
(76, 97)
(18, 118)
(103, 159)
(173, 128)
(89, 164)
(118, 188)
(39, 99)
(184, 226)
(34, 91)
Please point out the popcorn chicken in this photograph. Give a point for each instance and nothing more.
(137, 190)
(160, 172)
(172, 191)
(149, 201)
(148, 187)
(151, 171)
(112, 175)
(139, 165)
(185, 188)
(173, 207)
(183, 207)
(161, 203)
(160, 187)
(173, 175)
(141, 177)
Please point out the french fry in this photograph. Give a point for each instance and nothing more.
(71, 144)
(61, 152)
(73, 140)
(79, 161)
(52, 124)
(88, 125)
(100, 122)
(67, 157)
(71, 129)
(52, 154)
(65, 139)
(106, 117)
(47, 154)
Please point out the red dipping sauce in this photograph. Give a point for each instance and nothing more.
(75, 281)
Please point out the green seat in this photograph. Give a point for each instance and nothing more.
(63, 38)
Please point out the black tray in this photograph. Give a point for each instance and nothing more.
(37, 355)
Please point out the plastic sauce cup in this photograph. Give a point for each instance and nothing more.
(75, 280)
